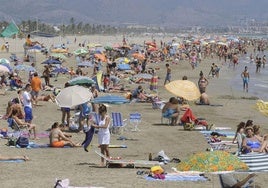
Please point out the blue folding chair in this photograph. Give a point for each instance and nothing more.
(135, 120)
(117, 123)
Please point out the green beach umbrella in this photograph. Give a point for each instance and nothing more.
(4, 61)
(80, 51)
(81, 80)
(58, 55)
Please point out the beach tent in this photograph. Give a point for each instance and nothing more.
(10, 30)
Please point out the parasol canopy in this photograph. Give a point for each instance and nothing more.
(214, 161)
(184, 88)
(73, 96)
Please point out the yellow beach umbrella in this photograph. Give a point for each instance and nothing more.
(184, 88)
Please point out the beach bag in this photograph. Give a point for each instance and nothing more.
(188, 126)
(12, 141)
(23, 142)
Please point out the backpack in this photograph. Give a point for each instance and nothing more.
(23, 142)
(12, 141)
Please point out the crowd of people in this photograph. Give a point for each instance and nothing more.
(29, 93)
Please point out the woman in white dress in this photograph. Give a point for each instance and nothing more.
(104, 132)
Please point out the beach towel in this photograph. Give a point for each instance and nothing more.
(88, 138)
(33, 145)
(178, 177)
(12, 161)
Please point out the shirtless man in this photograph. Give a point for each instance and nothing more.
(58, 139)
(245, 77)
(168, 74)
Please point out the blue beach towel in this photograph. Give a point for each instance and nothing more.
(12, 161)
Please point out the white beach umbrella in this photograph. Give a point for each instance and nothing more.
(73, 96)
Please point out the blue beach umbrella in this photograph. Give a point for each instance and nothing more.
(22, 67)
(7, 65)
(111, 99)
(60, 70)
(51, 61)
(85, 64)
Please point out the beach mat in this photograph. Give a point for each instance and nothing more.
(178, 177)
(12, 161)
(33, 145)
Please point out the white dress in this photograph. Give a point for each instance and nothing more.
(104, 133)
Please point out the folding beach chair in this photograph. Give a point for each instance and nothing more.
(228, 178)
(163, 119)
(18, 129)
(135, 120)
(117, 123)
(123, 162)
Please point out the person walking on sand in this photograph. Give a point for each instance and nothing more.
(168, 74)
(104, 133)
(27, 103)
(36, 85)
(245, 77)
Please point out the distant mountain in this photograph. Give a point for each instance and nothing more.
(168, 13)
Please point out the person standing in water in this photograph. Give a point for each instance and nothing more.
(245, 77)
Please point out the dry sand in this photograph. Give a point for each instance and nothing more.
(82, 168)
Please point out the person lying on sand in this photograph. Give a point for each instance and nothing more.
(8, 158)
(46, 98)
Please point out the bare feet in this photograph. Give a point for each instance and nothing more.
(25, 158)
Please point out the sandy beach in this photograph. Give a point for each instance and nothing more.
(82, 168)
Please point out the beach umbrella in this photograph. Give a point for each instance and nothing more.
(138, 56)
(81, 51)
(4, 68)
(123, 66)
(81, 80)
(93, 45)
(122, 60)
(4, 61)
(108, 47)
(116, 45)
(111, 99)
(60, 70)
(58, 55)
(212, 161)
(73, 96)
(85, 64)
(101, 57)
(51, 61)
(184, 88)
(6, 65)
(22, 67)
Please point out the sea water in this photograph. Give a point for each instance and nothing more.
(258, 82)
